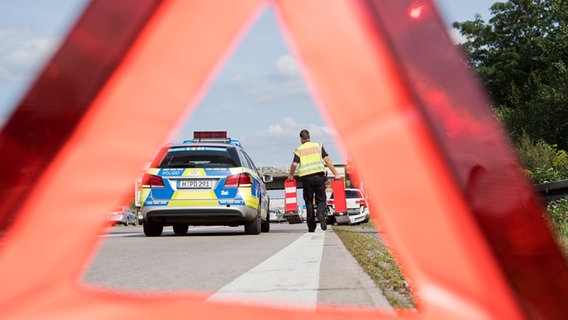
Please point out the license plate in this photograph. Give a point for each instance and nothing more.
(195, 184)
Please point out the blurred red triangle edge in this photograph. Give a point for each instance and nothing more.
(443, 181)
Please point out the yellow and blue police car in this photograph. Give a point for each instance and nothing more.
(209, 180)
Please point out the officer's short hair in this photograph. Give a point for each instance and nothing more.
(305, 134)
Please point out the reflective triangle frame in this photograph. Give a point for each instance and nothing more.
(443, 180)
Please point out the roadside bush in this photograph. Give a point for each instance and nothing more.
(542, 162)
(545, 163)
(558, 216)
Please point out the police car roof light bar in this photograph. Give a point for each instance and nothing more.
(210, 136)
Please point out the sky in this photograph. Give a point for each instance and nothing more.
(258, 96)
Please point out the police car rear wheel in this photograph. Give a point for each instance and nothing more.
(152, 229)
(265, 225)
(180, 228)
(254, 226)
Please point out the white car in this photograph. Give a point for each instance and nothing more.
(276, 216)
(121, 215)
(139, 216)
(357, 210)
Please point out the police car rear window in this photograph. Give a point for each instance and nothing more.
(200, 157)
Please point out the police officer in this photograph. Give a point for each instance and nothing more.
(311, 157)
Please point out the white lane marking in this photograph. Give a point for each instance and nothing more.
(289, 278)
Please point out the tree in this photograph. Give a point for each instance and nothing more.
(521, 55)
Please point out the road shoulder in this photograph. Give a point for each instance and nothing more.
(340, 273)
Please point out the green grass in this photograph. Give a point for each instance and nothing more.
(366, 247)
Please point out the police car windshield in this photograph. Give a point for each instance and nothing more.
(200, 157)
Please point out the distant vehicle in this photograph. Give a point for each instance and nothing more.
(209, 180)
(357, 209)
(276, 216)
(139, 216)
(121, 215)
(303, 213)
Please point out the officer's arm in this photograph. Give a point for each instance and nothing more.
(331, 167)
(292, 171)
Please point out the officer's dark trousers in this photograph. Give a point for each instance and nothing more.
(314, 188)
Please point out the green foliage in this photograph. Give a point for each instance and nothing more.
(542, 162)
(558, 216)
(521, 55)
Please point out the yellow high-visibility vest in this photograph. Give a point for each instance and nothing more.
(310, 158)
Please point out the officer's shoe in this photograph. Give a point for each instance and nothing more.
(323, 224)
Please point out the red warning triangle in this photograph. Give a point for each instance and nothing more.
(416, 124)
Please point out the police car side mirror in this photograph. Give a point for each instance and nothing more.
(267, 178)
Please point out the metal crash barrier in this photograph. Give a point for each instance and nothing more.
(552, 191)
(471, 233)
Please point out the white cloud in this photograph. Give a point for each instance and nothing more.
(456, 36)
(290, 122)
(22, 52)
(273, 144)
(236, 80)
(275, 129)
(272, 91)
(5, 73)
(321, 131)
(286, 66)
(282, 81)
(284, 128)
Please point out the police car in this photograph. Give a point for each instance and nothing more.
(209, 180)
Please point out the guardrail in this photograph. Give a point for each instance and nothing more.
(552, 191)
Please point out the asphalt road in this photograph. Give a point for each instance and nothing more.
(287, 267)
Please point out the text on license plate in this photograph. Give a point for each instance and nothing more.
(195, 184)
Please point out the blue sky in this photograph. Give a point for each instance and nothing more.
(258, 96)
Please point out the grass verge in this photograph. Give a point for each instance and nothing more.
(367, 248)
(364, 243)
